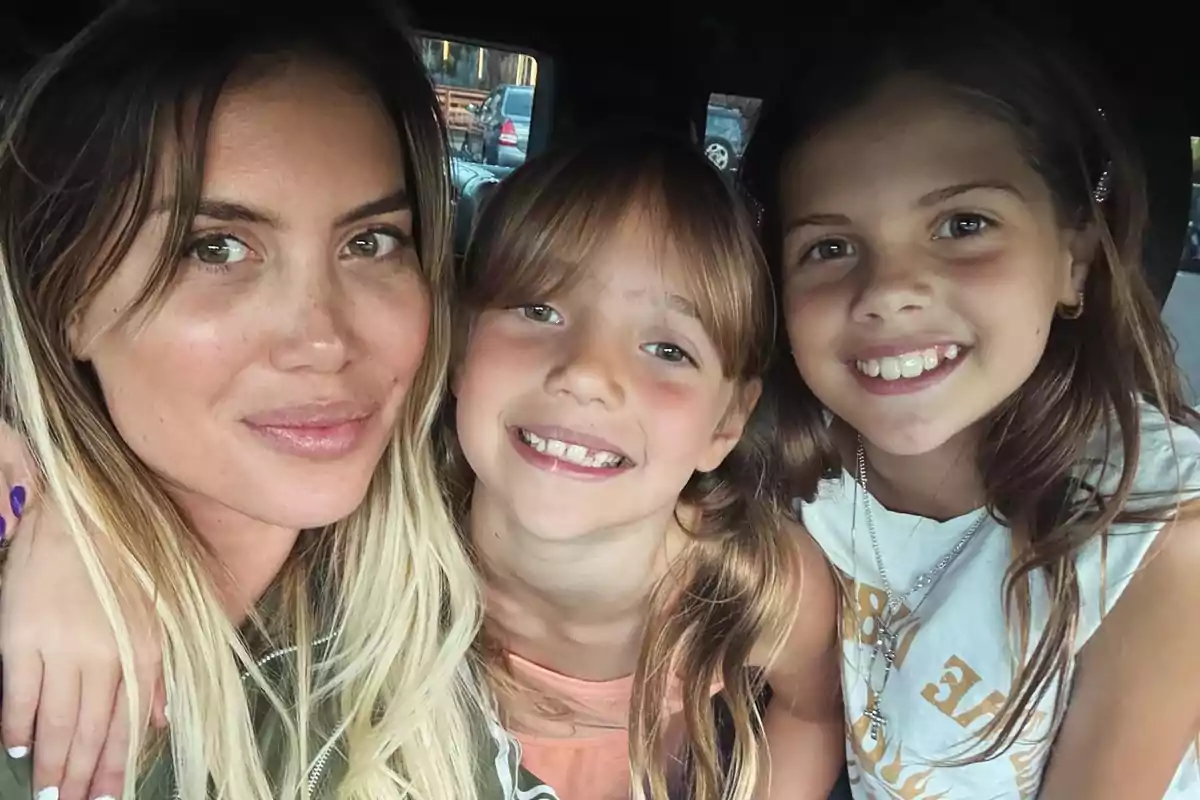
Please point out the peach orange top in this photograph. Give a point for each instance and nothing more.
(595, 764)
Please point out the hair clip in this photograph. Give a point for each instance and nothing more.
(754, 207)
(1100, 193)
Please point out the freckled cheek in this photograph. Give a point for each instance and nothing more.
(158, 389)
(398, 347)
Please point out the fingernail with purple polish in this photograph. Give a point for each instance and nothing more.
(3, 530)
(16, 499)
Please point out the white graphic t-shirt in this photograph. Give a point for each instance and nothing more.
(955, 655)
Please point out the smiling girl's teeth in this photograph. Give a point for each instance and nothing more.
(907, 365)
(572, 453)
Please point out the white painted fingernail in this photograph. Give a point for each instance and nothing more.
(49, 793)
(104, 797)
(18, 752)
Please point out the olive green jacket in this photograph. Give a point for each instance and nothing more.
(498, 773)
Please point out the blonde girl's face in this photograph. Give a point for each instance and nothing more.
(591, 409)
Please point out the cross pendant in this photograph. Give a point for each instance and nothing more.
(878, 723)
(885, 645)
(885, 648)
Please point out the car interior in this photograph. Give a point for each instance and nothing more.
(667, 64)
(688, 67)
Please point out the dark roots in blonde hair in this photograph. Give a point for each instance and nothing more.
(1095, 368)
(124, 110)
(92, 137)
(534, 238)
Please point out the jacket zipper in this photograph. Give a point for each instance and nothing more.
(318, 770)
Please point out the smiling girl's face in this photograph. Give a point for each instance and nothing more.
(591, 408)
(923, 264)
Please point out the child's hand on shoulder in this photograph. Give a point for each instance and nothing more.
(63, 701)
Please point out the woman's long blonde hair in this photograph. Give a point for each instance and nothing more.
(83, 145)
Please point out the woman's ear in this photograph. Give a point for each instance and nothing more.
(79, 335)
(732, 426)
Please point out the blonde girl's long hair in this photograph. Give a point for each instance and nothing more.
(86, 139)
(738, 584)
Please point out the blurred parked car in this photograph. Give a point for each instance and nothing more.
(724, 137)
(499, 129)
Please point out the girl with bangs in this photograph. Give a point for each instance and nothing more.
(983, 418)
(611, 463)
(609, 459)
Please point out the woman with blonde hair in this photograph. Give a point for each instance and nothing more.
(224, 311)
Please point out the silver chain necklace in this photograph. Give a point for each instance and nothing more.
(887, 640)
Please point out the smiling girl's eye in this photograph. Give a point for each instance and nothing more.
(830, 250)
(671, 353)
(962, 226)
(377, 243)
(217, 250)
(539, 312)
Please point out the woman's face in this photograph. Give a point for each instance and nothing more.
(266, 385)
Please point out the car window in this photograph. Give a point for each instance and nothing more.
(518, 103)
(471, 74)
(727, 129)
(1179, 313)
(722, 124)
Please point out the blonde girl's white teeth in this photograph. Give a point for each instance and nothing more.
(575, 453)
(951, 351)
(930, 358)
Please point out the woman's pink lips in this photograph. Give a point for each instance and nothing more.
(319, 432)
(316, 414)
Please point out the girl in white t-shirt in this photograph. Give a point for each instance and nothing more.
(987, 427)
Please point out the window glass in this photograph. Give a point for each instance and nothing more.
(467, 77)
(727, 128)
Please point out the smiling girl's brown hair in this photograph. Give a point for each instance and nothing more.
(1095, 368)
(535, 236)
(91, 134)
